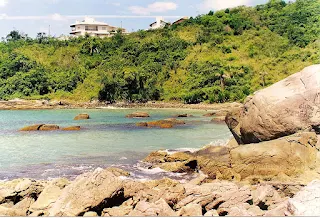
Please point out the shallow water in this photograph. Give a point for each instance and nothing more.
(107, 139)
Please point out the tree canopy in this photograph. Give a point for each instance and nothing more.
(216, 57)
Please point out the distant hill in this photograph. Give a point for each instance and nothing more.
(218, 57)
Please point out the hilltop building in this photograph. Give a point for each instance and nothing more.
(158, 24)
(181, 20)
(93, 28)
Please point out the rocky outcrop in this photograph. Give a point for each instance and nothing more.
(89, 192)
(290, 155)
(159, 208)
(138, 115)
(110, 192)
(48, 196)
(82, 117)
(306, 202)
(164, 124)
(282, 109)
(72, 128)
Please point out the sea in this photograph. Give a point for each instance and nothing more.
(108, 139)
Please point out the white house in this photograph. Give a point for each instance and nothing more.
(159, 23)
(93, 28)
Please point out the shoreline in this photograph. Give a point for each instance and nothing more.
(20, 104)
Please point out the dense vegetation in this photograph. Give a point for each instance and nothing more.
(218, 57)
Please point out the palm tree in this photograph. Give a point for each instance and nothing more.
(263, 77)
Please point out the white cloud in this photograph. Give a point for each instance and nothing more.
(207, 5)
(3, 3)
(58, 17)
(156, 7)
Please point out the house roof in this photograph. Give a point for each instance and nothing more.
(89, 21)
(181, 19)
(162, 21)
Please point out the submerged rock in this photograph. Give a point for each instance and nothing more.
(82, 117)
(138, 115)
(282, 109)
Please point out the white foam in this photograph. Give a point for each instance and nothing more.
(151, 171)
(123, 158)
(191, 150)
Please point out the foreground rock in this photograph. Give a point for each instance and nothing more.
(88, 192)
(291, 155)
(111, 192)
(306, 202)
(164, 124)
(138, 115)
(82, 117)
(282, 109)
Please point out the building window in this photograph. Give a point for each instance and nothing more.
(91, 28)
(104, 28)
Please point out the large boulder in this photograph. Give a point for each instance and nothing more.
(282, 109)
(89, 192)
(306, 202)
(290, 155)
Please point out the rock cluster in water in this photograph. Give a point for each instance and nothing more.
(48, 127)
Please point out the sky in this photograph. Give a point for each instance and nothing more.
(33, 16)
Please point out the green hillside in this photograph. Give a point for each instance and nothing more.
(218, 57)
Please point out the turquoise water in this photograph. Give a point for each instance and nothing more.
(107, 139)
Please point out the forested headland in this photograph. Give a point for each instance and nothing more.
(222, 56)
